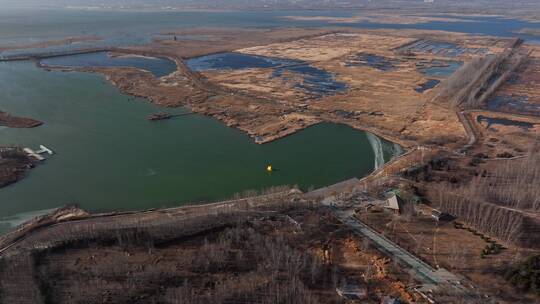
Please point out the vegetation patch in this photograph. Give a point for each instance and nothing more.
(526, 275)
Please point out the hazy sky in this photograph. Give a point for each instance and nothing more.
(182, 2)
(160, 3)
(260, 3)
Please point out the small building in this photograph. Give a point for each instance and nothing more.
(352, 292)
(441, 216)
(394, 204)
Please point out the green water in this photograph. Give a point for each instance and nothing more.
(110, 157)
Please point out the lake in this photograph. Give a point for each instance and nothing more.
(110, 157)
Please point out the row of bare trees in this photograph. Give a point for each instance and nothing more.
(503, 201)
(272, 271)
(248, 263)
(491, 219)
(17, 280)
(511, 183)
(160, 226)
(150, 231)
(471, 85)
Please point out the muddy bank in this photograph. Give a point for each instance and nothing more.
(268, 105)
(381, 18)
(49, 43)
(14, 165)
(14, 162)
(10, 121)
(258, 115)
(209, 40)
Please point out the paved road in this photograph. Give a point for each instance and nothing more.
(432, 279)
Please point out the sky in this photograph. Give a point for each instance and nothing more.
(215, 3)
(260, 3)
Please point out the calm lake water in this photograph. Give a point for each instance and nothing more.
(445, 69)
(110, 157)
(237, 61)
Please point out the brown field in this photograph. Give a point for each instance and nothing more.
(215, 40)
(498, 139)
(268, 108)
(277, 252)
(448, 146)
(441, 244)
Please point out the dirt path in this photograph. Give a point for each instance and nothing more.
(469, 128)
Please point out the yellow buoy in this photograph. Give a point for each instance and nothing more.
(269, 168)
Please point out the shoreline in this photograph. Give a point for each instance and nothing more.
(213, 89)
(247, 112)
(260, 117)
(48, 43)
(15, 165)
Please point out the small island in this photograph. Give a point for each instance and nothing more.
(11, 121)
(159, 116)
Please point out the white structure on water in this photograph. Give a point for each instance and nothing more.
(37, 154)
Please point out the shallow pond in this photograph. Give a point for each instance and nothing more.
(518, 104)
(316, 82)
(236, 61)
(504, 122)
(429, 84)
(441, 69)
(108, 156)
(157, 66)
